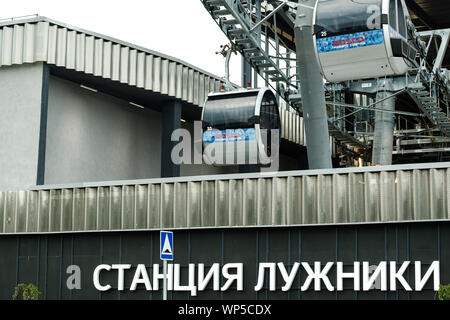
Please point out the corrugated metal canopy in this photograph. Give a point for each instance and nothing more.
(40, 39)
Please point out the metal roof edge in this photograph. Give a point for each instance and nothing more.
(230, 227)
(261, 175)
(20, 20)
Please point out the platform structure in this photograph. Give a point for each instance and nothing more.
(263, 32)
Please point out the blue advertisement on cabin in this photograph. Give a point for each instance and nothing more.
(350, 41)
(229, 135)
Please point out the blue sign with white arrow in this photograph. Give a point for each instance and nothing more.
(166, 245)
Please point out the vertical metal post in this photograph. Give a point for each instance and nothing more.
(349, 125)
(165, 280)
(383, 143)
(40, 179)
(299, 259)
(101, 262)
(171, 115)
(227, 70)
(336, 255)
(312, 90)
(17, 259)
(258, 37)
(60, 267)
(257, 259)
(246, 78)
(277, 50)
(45, 268)
(151, 261)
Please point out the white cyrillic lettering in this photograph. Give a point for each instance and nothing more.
(203, 280)
(398, 275)
(379, 274)
(355, 275)
(421, 281)
(191, 282)
(120, 274)
(317, 275)
(160, 276)
(238, 276)
(96, 277)
(288, 278)
(141, 276)
(261, 274)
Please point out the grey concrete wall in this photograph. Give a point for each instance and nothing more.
(20, 116)
(95, 137)
(90, 136)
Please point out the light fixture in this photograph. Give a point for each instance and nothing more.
(137, 105)
(88, 88)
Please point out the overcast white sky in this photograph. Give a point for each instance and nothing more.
(179, 28)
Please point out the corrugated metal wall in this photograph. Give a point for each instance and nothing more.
(292, 126)
(292, 199)
(44, 41)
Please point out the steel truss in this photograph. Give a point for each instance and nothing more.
(255, 28)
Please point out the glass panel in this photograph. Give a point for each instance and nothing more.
(269, 119)
(230, 111)
(269, 115)
(339, 17)
(401, 20)
(393, 14)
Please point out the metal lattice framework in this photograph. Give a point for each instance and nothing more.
(262, 33)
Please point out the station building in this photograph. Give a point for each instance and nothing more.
(86, 179)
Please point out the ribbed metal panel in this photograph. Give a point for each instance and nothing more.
(292, 127)
(90, 53)
(296, 198)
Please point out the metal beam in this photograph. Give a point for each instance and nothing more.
(171, 114)
(384, 128)
(421, 151)
(444, 34)
(421, 14)
(40, 180)
(246, 77)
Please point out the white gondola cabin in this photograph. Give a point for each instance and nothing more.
(361, 39)
(233, 127)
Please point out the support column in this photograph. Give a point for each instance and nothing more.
(350, 123)
(43, 125)
(312, 90)
(171, 114)
(246, 78)
(383, 142)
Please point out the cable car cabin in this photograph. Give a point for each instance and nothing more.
(233, 127)
(360, 39)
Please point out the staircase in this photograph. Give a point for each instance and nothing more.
(236, 22)
(428, 104)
